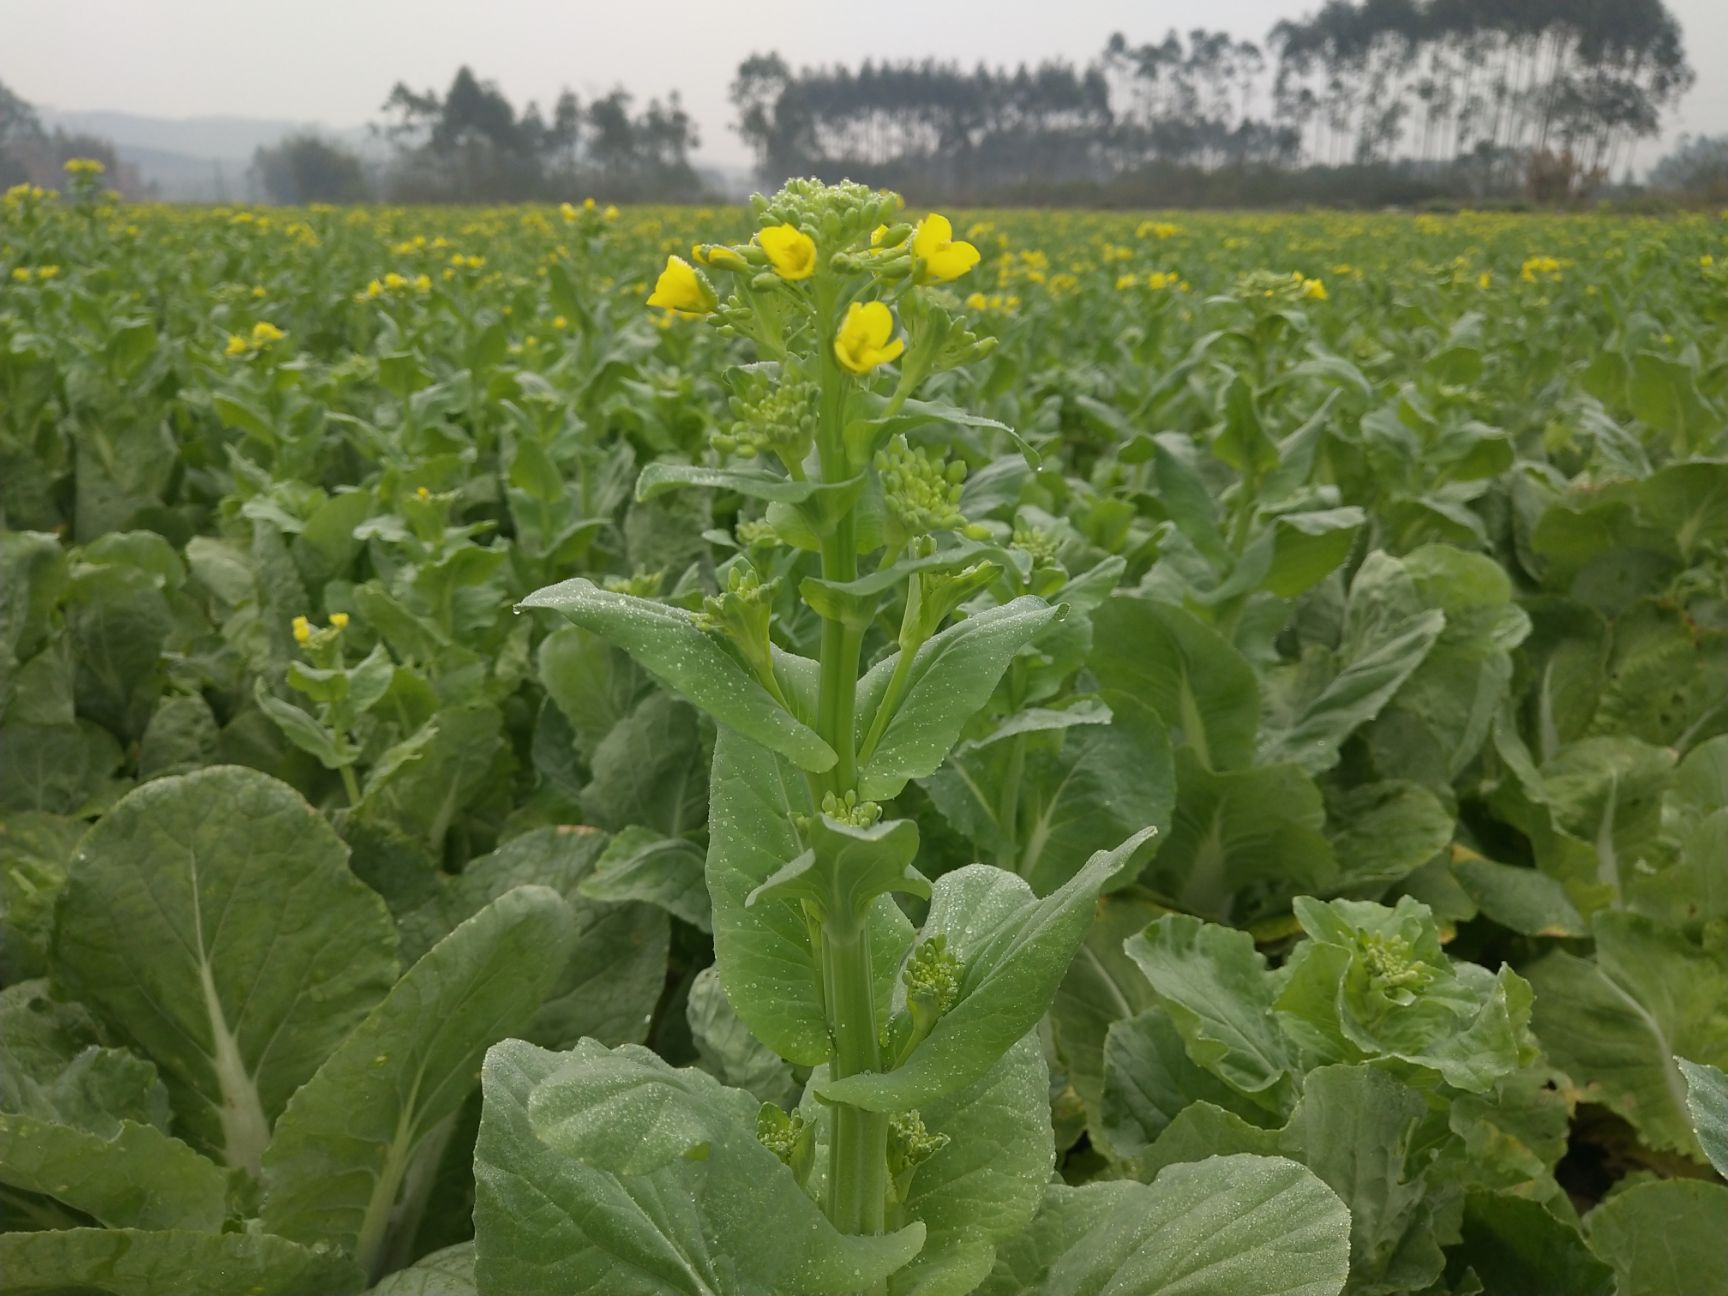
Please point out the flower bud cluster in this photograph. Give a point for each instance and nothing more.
(782, 423)
(922, 494)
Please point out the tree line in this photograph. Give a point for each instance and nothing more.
(1488, 94)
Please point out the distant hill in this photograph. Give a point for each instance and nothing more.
(196, 159)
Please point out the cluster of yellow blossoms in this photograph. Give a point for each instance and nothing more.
(392, 284)
(263, 334)
(1537, 268)
(865, 337)
(303, 630)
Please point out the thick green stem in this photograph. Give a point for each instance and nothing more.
(858, 1174)
(858, 1158)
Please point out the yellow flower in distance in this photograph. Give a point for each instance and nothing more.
(866, 337)
(302, 630)
(790, 251)
(338, 620)
(236, 345)
(943, 257)
(681, 288)
(264, 333)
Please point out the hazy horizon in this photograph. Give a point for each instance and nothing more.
(334, 67)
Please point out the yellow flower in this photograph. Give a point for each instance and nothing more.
(421, 492)
(977, 301)
(84, 166)
(1484, 280)
(790, 251)
(423, 283)
(339, 620)
(568, 211)
(47, 271)
(682, 288)
(1314, 289)
(394, 281)
(611, 213)
(264, 333)
(560, 323)
(1126, 281)
(302, 630)
(236, 345)
(943, 256)
(865, 338)
(21, 274)
(374, 289)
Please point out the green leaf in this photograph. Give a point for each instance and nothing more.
(1355, 695)
(670, 644)
(351, 1136)
(1513, 1244)
(1149, 1079)
(1013, 950)
(763, 950)
(641, 864)
(727, 1049)
(1707, 1100)
(562, 1206)
(1230, 1226)
(1160, 657)
(168, 1262)
(211, 920)
(138, 1178)
(1664, 1238)
(986, 1184)
(449, 1272)
(1215, 986)
(616, 966)
(757, 483)
(1386, 831)
(1616, 1025)
(1374, 982)
(952, 676)
(1237, 834)
(53, 1068)
(1101, 986)
(1522, 899)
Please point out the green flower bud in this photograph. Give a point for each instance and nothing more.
(910, 1145)
(643, 584)
(788, 1136)
(850, 811)
(922, 494)
(741, 613)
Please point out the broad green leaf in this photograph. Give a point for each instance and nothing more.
(1163, 658)
(138, 1178)
(758, 483)
(615, 969)
(1664, 1238)
(1386, 831)
(1615, 1025)
(168, 1262)
(1513, 1244)
(1215, 986)
(986, 1184)
(211, 920)
(1095, 786)
(670, 644)
(1014, 950)
(952, 676)
(1608, 792)
(1707, 1100)
(726, 1048)
(1237, 834)
(449, 1272)
(711, 1212)
(641, 864)
(54, 1068)
(1355, 695)
(1102, 986)
(1522, 899)
(1373, 982)
(1230, 1226)
(650, 769)
(63, 769)
(763, 950)
(1149, 1079)
(352, 1136)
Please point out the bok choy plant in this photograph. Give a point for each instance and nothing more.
(860, 624)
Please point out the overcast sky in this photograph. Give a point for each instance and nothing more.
(333, 61)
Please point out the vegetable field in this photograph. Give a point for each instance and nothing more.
(1016, 753)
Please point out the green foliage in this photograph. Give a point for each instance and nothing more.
(1243, 787)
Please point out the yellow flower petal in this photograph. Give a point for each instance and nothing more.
(680, 288)
(865, 339)
(790, 251)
